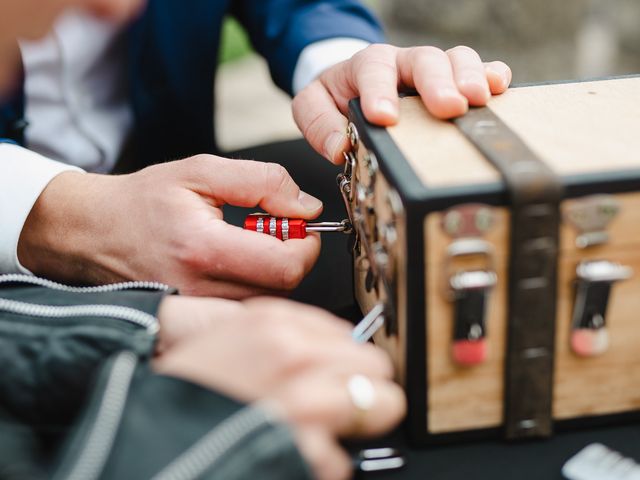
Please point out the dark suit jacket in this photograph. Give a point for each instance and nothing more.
(173, 49)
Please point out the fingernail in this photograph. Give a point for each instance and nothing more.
(387, 107)
(503, 71)
(333, 143)
(309, 203)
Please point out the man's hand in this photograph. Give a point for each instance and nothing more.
(448, 83)
(293, 359)
(165, 223)
(182, 318)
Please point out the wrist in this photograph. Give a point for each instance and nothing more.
(66, 229)
(183, 318)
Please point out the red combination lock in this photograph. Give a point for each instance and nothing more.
(289, 228)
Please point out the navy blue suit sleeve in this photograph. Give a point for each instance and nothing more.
(281, 29)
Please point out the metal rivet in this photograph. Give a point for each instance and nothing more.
(372, 163)
(352, 133)
(609, 211)
(452, 222)
(484, 219)
(362, 264)
(528, 424)
(390, 234)
(535, 352)
(475, 332)
(395, 202)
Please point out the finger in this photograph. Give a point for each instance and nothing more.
(315, 319)
(499, 76)
(321, 451)
(325, 400)
(226, 252)
(374, 71)
(429, 70)
(115, 10)
(225, 289)
(246, 183)
(300, 343)
(469, 75)
(305, 344)
(388, 409)
(307, 352)
(367, 360)
(321, 122)
(341, 354)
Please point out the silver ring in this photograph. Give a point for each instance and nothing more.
(260, 225)
(273, 226)
(363, 397)
(285, 229)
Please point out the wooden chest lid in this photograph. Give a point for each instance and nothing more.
(576, 128)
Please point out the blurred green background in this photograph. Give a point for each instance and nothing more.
(235, 41)
(541, 39)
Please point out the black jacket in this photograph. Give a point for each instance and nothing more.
(79, 401)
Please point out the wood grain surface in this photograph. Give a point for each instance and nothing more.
(462, 398)
(576, 128)
(609, 383)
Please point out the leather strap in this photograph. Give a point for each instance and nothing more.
(535, 193)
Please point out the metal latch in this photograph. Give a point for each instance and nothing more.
(469, 290)
(344, 183)
(590, 217)
(589, 333)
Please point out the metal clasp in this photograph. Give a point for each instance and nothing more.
(344, 183)
(591, 217)
(589, 333)
(469, 290)
(354, 138)
(467, 247)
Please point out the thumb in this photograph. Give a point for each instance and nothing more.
(321, 122)
(247, 183)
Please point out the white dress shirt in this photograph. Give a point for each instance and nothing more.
(79, 115)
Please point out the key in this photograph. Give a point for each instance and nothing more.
(369, 325)
(288, 228)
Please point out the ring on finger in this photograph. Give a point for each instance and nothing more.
(363, 397)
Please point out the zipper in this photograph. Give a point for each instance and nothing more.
(113, 287)
(131, 315)
(99, 443)
(201, 456)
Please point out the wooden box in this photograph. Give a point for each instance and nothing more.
(505, 248)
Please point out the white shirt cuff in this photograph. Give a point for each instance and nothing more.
(319, 56)
(23, 177)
